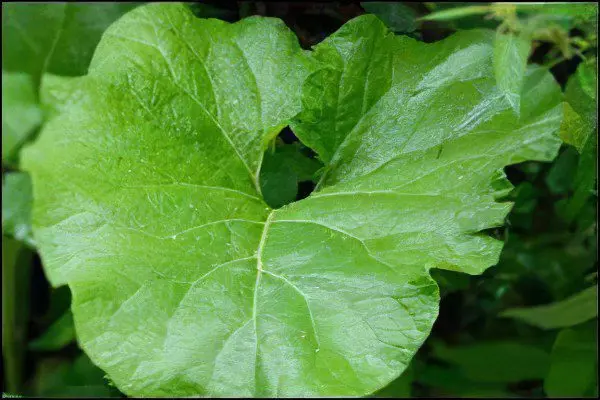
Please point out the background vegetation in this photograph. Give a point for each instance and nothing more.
(525, 328)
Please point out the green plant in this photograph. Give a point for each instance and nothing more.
(192, 270)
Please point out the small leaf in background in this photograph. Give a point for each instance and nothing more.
(16, 207)
(16, 262)
(397, 16)
(563, 170)
(59, 38)
(452, 382)
(82, 27)
(573, 370)
(574, 310)
(576, 12)
(579, 129)
(57, 336)
(21, 113)
(282, 170)
(278, 180)
(584, 180)
(511, 52)
(573, 129)
(580, 93)
(28, 34)
(525, 198)
(57, 377)
(456, 13)
(496, 361)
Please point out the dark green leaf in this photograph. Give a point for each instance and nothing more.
(16, 264)
(563, 170)
(57, 336)
(397, 16)
(64, 378)
(574, 362)
(496, 361)
(58, 38)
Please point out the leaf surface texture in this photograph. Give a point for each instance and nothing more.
(186, 283)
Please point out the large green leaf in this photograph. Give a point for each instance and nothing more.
(574, 310)
(184, 282)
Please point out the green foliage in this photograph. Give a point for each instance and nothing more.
(58, 38)
(80, 378)
(579, 308)
(496, 362)
(163, 198)
(16, 262)
(574, 367)
(20, 112)
(283, 168)
(148, 209)
(397, 16)
(58, 335)
(16, 207)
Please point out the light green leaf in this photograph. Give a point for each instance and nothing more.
(425, 136)
(573, 130)
(58, 93)
(20, 112)
(455, 13)
(185, 283)
(399, 17)
(580, 12)
(574, 362)
(496, 361)
(510, 64)
(574, 310)
(16, 207)
(58, 38)
(57, 336)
